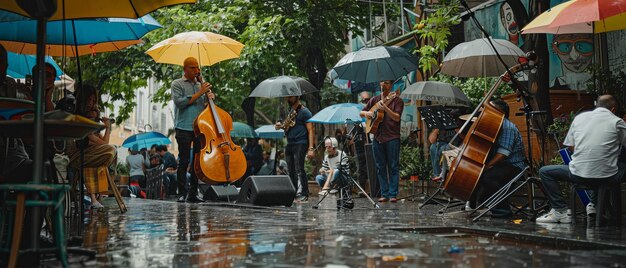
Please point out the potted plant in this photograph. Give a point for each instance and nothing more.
(413, 163)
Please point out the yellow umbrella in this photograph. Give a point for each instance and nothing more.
(209, 48)
(75, 9)
(552, 21)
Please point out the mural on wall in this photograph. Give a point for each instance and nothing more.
(498, 20)
(571, 55)
(507, 20)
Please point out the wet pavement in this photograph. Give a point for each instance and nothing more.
(169, 234)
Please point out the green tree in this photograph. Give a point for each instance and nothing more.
(302, 38)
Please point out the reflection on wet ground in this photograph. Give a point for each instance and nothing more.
(165, 234)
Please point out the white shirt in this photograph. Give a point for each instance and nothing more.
(596, 137)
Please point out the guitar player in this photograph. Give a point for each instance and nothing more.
(386, 144)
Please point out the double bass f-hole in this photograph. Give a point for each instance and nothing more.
(223, 161)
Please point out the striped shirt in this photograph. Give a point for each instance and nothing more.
(333, 162)
(510, 144)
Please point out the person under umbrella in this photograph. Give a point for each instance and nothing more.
(189, 94)
(386, 144)
(300, 134)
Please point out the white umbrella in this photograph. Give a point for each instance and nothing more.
(442, 93)
(477, 58)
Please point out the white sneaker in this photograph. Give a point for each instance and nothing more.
(591, 210)
(555, 217)
(333, 191)
(467, 206)
(322, 192)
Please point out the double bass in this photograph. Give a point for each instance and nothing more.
(219, 159)
(469, 164)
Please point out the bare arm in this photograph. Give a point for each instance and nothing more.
(432, 137)
(311, 131)
(204, 88)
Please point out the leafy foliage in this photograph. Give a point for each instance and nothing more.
(413, 162)
(474, 88)
(608, 82)
(301, 38)
(435, 29)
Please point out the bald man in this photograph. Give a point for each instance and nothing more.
(190, 95)
(594, 138)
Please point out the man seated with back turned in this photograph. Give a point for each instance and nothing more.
(595, 139)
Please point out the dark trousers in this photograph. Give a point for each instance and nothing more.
(185, 139)
(294, 155)
(491, 181)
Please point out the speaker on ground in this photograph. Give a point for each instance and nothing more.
(227, 192)
(267, 191)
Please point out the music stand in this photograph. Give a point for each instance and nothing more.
(436, 117)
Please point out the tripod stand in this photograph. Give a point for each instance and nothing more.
(341, 178)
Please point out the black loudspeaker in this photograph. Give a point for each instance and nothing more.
(267, 191)
(221, 193)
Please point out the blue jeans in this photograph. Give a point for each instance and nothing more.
(294, 155)
(435, 155)
(387, 156)
(551, 175)
(321, 179)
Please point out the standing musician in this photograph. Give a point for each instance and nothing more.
(386, 145)
(505, 162)
(300, 134)
(190, 98)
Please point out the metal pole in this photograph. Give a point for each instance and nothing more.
(402, 16)
(385, 18)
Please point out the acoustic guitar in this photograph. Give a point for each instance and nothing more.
(371, 124)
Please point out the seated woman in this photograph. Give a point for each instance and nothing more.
(98, 154)
(334, 159)
(137, 169)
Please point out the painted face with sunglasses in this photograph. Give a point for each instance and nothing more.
(574, 50)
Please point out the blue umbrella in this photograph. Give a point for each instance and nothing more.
(22, 65)
(269, 132)
(89, 35)
(146, 140)
(338, 114)
(242, 130)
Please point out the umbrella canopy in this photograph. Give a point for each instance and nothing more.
(74, 9)
(580, 16)
(22, 65)
(242, 130)
(338, 114)
(283, 86)
(88, 35)
(349, 86)
(146, 140)
(442, 93)
(208, 48)
(477, 58)
(376, 64)
(269, 132)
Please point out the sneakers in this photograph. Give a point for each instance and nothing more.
(322, 192)
(555, 217)
(334, 191)
(467, 206)
(96, 205)
(301, 199)
(591, 210)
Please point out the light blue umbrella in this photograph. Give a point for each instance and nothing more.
(146, 140)
(242, 130)
(338, 114)
(22, 65)
(269, 132)
(88, 31)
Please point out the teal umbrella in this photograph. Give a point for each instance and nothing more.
(269, 132)
(242, 130)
